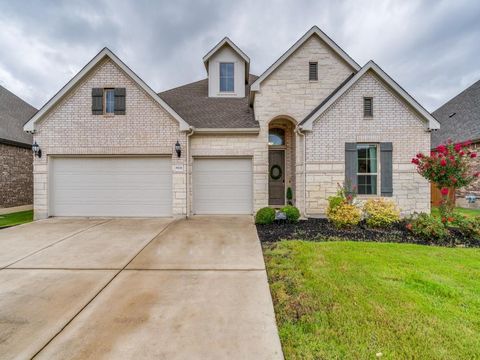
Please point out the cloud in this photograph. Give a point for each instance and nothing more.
(429, 47)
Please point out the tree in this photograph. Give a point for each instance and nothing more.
(450, 167)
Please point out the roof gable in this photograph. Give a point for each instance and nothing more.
(313, 31)
(307, 123)
(227, 42)
(104, 53)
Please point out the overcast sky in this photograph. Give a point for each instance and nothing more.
(431, 48)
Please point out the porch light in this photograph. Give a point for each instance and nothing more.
(36, 150)
(178, 149)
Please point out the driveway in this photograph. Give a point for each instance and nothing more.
(135, 288)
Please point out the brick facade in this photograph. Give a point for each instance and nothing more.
(16, 178)
(474, 188)
(392, 122)
(71, 129)
(314, 160)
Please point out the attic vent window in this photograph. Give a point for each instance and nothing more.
(368, 107)
(313, 71)
(452, 115)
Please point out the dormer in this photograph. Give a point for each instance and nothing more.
(228, 68)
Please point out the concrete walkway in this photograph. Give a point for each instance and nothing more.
(135, 288)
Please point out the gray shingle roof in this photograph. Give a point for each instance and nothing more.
(465, 123)
(14, 113)
(192, 103)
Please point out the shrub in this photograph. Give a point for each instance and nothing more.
(293, 214)
(469, 227)
(289, 195)
(380, 213)
(427, 226)
(344, 215)
(265, 215)
(335, 201)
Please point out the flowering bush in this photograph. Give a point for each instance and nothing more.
(380, 213)
(450, 167)
(427, 226)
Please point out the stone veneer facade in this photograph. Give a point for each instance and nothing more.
(473, 188)
(16, 179)
(71, 129)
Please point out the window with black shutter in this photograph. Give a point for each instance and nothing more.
(367, 107)
(313, 71)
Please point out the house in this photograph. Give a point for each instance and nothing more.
(232, 143)
(460, 122)
(16, 160)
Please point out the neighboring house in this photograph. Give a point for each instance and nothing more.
(232, 143)
(460, 122)
(16, 160)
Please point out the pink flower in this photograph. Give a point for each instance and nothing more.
(458, 147)
(477, 174)
(415, 161)
(461, 153)
(473, 155)
(443, 162)
(441, 148)
(420, 155)
(444, 191)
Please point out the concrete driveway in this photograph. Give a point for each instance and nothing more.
(135, 288)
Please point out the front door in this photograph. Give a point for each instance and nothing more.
(276, 177)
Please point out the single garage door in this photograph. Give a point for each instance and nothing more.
(222, 186)
(110, 186)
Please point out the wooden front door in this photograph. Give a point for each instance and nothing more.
(276, 177)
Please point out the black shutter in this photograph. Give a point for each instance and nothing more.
(386, 169)
(351, 165)
(120, 101)
(313, 71)
(97, 101)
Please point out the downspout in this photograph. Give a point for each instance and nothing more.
(298, 130)
(187, 182)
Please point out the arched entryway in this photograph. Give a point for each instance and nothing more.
(281, 162)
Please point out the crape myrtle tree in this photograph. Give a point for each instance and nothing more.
(449, 166)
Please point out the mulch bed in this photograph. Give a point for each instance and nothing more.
(323, 230)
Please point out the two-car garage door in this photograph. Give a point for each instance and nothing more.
(110, 186)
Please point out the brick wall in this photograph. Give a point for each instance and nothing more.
(16, 176)
(392, 122)
(71, 129)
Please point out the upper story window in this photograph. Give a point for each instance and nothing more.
(367, 107)
(367, 169)
(313, 71)
(109, 96)
(276, 136)
(226, 77)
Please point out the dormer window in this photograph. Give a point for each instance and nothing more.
(227, 77)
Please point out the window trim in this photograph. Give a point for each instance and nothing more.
(105, 90)
(310, 63)
(377, 174)
(370, 115)
(220, 77)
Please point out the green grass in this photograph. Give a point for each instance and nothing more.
(17, 218)
(353, 300)
(460, 211)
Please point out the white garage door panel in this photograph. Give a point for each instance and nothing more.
(122, 186)
(222, 186)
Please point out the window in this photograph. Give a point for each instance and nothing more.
(226, 77)
(109, 95)
(367, 169)
(313, 71)
(276, 137)
(367, 107)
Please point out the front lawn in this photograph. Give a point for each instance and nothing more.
(16, 218)
(459, 211)
(356, 300)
